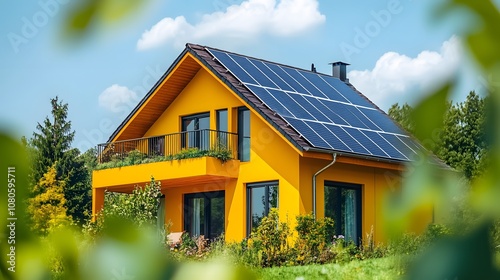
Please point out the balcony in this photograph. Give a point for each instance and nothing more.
(185, 158)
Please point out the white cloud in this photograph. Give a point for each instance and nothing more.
(399, 78)
(249, 19)
(115, 97)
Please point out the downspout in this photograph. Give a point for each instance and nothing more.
(314, 182)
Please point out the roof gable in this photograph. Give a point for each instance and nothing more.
(156, 101)
(313, 111)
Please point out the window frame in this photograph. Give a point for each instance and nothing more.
(249, 187)
(196, 133)
(218, 120)
(207, 196)
(358, 188)
(241, 134)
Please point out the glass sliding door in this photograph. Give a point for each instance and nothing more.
(196, 131)
(204, 214)
(156, 146)
(343, 205)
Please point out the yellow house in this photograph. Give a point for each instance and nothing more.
(243, 135)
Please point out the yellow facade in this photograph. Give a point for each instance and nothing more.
(272, 158)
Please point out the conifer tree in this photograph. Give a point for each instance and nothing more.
(51, 145)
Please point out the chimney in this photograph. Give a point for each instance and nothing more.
(313, 68)
(339, 70)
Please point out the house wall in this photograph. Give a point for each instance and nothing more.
(375, 182)
(271, 157)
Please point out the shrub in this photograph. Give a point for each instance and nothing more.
(140, 208)
(314, 238)
(270, 241)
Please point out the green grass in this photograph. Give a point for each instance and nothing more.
(384, 268)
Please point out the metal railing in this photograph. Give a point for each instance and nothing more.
(169, 145)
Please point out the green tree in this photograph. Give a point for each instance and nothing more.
(401, 114)
(461, 143)
(50, 145)
(53, 139)
(47, 207)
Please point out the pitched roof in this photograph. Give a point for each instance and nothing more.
(314, 111)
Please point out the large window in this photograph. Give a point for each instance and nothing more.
(260, 198)
(204, 214)
(243, 134)
(196, 131)
(343, 205)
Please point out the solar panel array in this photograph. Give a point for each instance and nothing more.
(325, 111)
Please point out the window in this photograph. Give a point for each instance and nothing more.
(222, 129)
(204, 214)
(260, 198)
(156, 146)
(196, 128)
(222, 121)
(343, 205)
(160, 222)
(243, 134)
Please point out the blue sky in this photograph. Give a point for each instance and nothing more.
(396, 49)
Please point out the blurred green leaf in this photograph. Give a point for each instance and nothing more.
(82, 15)
(425, 186)
(114, 10)
(65, 243)
(13, 155)
(467, 257)
(483, 40)
(428, 115)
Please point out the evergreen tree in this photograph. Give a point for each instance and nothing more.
(51, 145)
(52, 140)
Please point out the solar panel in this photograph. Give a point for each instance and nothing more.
(328, 113)
(254, 72)
(311, 89)
(325, 88)
(269, 73)
(335, 141)
(268, 99)
(287, 78)
(310, 135)
(309, 107)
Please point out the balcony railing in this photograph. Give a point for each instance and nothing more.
(170, 145)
